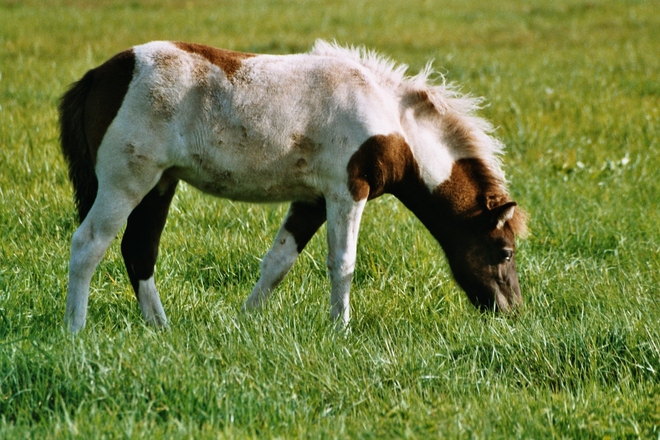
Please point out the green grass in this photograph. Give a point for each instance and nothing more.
(574, 88)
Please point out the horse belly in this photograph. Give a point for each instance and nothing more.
(250, 173)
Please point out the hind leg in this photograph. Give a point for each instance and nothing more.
(301, 223)
(90, 241)
(139, 248)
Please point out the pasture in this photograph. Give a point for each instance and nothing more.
(574, 89)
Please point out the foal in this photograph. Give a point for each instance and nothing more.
(326, 130)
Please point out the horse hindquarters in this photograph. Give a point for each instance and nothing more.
(120, 191)
(112, 164)
(88, 246)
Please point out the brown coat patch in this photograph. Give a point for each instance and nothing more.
(228, 60)
(471, 187)
(472, 190)
(386, 164)
(106, 95)
(379, 164)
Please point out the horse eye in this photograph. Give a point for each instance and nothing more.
(507, 254)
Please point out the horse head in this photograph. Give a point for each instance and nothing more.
(482, 257)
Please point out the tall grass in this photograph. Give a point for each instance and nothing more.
(573, 87)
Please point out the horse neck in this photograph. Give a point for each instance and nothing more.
(430, 208)
(455, 163)
(463, 195)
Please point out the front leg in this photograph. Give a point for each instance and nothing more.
(344, 215)
(301, 223)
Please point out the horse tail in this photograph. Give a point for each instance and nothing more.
(75, 146)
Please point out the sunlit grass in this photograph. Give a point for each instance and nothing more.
(573, 88)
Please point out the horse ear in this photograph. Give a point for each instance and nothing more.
(503, 214)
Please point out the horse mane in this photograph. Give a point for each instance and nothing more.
(467, 134)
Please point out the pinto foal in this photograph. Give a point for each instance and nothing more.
(326, 130)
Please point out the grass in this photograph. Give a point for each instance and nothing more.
(573, 87)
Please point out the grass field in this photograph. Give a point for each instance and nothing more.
(574, 87)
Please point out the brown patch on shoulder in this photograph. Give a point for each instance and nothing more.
(111, 81)
(471, 187)
(228, 60)
(378, 165)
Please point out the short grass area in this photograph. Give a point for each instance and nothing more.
(574, 87)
